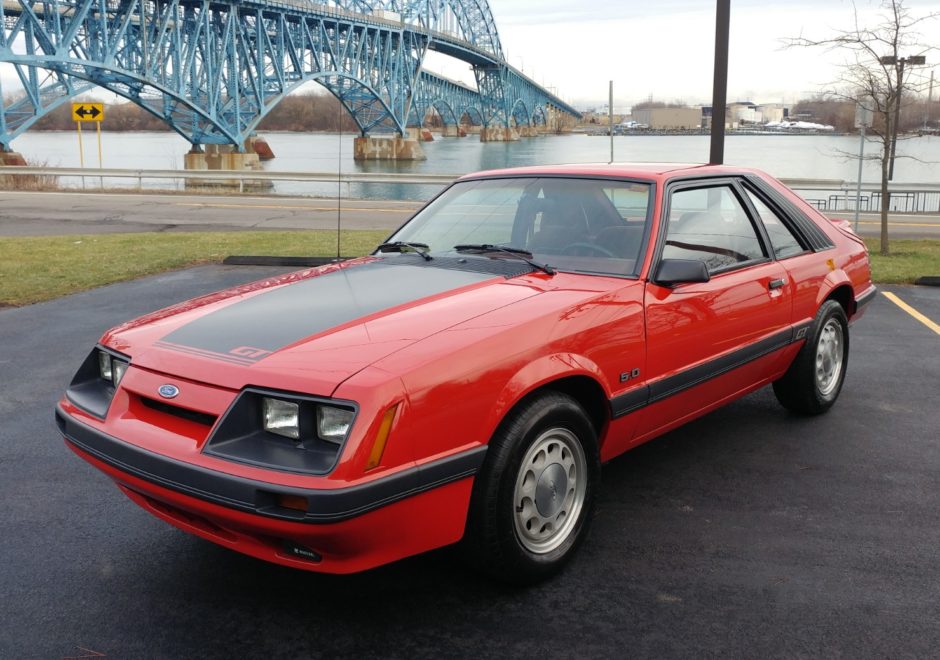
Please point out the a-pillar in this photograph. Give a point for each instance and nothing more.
(210, 157)
(498, 134)
(387, 148)
(450, 130)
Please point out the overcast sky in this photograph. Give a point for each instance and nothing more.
(664, 48)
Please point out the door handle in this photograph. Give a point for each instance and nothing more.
(776, 284)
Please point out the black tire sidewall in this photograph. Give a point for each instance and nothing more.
(492, 507)
(830, 310)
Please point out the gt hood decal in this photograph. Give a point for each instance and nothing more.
(249, 331)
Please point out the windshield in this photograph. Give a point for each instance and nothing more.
(582, 225)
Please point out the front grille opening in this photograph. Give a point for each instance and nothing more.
(183, 413)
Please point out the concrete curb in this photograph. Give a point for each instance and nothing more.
(237, 260)
(928, 280)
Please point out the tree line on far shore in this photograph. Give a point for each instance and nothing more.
(304, 113)
(301, 112)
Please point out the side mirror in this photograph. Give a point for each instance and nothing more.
(680, 271)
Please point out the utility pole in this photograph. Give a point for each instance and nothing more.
(929, 101)
(720, 81)
(610, 119)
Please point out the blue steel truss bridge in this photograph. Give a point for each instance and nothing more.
(212, 69)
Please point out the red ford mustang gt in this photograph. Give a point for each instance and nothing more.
(467, 380)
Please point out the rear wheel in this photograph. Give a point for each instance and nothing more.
(814, 380)
(533, 498)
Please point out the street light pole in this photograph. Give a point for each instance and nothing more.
(720, 81)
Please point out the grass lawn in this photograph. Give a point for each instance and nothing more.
(33, 269)
(909, 260)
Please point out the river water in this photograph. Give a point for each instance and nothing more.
(786, 156)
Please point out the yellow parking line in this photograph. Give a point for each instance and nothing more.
(901, 224)
(913, 312)
(293, 208)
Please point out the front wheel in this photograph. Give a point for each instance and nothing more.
(814, 380)
(532, 501)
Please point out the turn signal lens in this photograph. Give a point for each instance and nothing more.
(381, 438)
(281, 418)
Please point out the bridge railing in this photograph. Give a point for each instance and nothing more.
(829, 195)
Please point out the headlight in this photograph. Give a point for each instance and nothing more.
(111, 368)
(333, 423)
(94, 384)
(104, 365)
(283, 431)
(281, 417)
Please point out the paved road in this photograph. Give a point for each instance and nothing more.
(53, 213)
(748, 533)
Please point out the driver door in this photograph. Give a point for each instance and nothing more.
(706, 342)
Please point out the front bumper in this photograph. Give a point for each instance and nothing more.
(345, 529)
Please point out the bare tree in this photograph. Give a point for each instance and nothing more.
(878, 75)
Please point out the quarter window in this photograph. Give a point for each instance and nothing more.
(782, 240)
(710, 225)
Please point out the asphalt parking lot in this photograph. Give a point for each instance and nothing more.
(748, 533)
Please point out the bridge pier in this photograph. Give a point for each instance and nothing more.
(387, 148)
(210, 157)
(12, 159)
(451, 130)
(260, 146)
(498, 134)
(528, 131)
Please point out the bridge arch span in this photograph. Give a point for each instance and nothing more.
(447, 113)
(366, 106)
(520, 113)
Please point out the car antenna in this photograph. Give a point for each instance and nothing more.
(339, 183)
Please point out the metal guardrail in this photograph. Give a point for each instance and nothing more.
(824, 194)
(230, 178)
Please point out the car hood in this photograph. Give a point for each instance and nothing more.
(309, 331)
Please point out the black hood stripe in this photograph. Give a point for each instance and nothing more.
(209, 354)
(248, 331)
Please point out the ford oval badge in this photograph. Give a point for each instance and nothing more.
(168, 391)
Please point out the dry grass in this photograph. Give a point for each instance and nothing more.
(34, 269)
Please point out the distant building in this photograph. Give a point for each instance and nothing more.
(743, 112)
(773, 112)
(669, 118)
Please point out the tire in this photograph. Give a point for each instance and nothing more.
(520, 528)
(814, 380)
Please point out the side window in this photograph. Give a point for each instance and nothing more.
(710, 225)
(782, 240)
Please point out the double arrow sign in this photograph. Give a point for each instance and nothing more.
(88, 112)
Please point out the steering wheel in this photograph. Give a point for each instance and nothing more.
(576, 249)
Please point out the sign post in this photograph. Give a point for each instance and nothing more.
(85, 112)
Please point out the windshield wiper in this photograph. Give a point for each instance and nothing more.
(401, 246)
(518, 253)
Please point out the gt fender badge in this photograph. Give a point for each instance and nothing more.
(168, 391)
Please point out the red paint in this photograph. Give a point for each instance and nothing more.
(455, 364)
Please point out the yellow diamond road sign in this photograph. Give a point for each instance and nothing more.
(87, 111)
